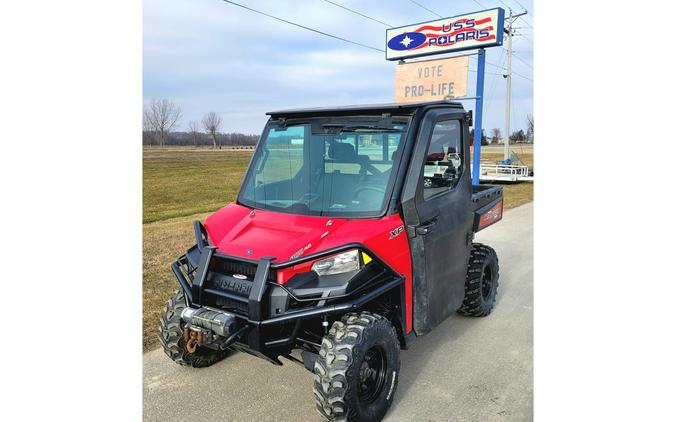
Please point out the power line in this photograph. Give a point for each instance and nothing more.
(519, 4)
(504, 4)
(489, 63)
(523, 19)
(425, 8)
(358, 13)
(503, 68)
(522, 61)
(524, 77)
(527, 38)
(487, 73)
(494, 80)
(478, 3)
(304, 27)
(526, 23)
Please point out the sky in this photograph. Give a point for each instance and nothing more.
(208, 55)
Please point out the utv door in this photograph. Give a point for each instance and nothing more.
(436, 208)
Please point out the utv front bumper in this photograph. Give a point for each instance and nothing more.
(270, 317)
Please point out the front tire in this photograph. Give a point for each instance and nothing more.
(171, 337)
(356, 373)
(482, 281)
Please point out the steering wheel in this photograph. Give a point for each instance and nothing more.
(358, 190)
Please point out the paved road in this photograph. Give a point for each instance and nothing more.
(467, 369)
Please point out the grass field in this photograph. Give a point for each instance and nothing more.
(183, 185)
(179, 186)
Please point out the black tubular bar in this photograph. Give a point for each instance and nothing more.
(288, 340)
(202, 271)
(200, 235)
(234, 337)
(183, 282)
(332, 309)
(203, 241)
(334, 251)
(312, 257)
(313, 299)
(226, 295)
(258, 288)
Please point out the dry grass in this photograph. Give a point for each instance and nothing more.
(183, 185)
(179, 186)
(163, 242)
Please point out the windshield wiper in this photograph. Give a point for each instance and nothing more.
(359, 128)
(370, 128)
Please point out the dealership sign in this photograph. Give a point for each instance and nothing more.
(470, 31)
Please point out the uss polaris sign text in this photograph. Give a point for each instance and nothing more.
(465, 32)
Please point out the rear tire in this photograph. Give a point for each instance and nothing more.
(171, 337)
(482, 281)
(356, 373)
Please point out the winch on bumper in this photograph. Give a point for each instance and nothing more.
(210, 327)
(237, 302)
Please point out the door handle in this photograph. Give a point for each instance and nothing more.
(426, 227)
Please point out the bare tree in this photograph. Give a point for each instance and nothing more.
(530, 123)
(211, 122)
(496, 135)
(193, 128)
(147, 129)
(161, 116)
(517, 136)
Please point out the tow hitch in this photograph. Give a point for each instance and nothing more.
(194, 337)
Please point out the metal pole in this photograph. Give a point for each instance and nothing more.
(478, 124)
(507, 117)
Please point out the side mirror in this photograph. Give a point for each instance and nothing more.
(468, 118)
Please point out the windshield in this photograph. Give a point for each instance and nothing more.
(339, 167)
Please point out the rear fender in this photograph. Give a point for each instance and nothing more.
(488, 214)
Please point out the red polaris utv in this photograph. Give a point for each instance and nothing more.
(337, 253)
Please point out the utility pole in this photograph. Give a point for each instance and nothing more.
(507, 115)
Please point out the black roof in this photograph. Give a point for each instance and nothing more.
(393, 108)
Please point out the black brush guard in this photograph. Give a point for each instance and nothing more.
(197, 263)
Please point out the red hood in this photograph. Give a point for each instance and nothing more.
(238, 231)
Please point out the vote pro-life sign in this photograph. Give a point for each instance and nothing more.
(444, 78)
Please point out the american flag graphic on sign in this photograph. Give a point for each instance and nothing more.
(474, 30)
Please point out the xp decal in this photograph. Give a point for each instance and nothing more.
(395, 232)
(473, 30)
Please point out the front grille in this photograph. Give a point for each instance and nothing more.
(234, 291)
(229, 266)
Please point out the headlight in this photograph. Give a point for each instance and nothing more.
(338, 264)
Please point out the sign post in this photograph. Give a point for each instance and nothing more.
(478, 125)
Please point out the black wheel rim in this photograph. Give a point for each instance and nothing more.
(372, 374)
(486, 284)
